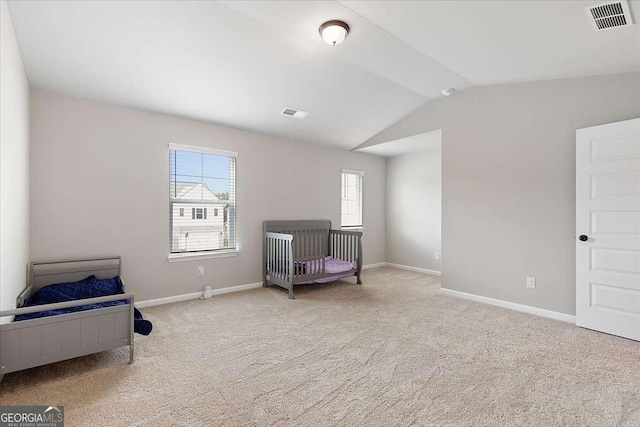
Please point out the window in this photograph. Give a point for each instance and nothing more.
(352, 182)
(201, 181)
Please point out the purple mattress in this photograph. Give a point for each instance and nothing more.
(340, 267)
(333, 265)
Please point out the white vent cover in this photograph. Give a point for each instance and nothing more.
(610, 15)
(294, 112)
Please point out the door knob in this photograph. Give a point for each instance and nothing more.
(583, 238)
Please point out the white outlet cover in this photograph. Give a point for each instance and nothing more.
(531, 282)
(200, 271)
(437, 256)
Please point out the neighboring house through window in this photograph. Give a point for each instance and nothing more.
(352, 189)
(201, 181)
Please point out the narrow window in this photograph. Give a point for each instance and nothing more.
(352, 189)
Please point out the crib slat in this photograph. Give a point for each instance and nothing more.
(344, 247)
(347, 247)
(312, 242)
(351, 250)
(355, 248)
(280, 269)
(269, 255)
(270, 245)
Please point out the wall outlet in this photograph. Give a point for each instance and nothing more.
(200, 271)
(437, 255)
(531, 282)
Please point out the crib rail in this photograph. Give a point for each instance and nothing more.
(279, 256)
(346, 245)
(313, 266)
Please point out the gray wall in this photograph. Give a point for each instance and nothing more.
(14, 166)
(99, 187)
(413, 209)
(508, 181)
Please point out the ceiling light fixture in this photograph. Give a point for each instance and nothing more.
(448, 92)
(334, 32)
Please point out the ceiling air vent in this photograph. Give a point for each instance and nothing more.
(610, 15)
(292, 112)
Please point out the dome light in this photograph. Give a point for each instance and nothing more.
(334, 32)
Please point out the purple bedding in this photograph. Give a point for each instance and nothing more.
(331, 265)
(327, 279)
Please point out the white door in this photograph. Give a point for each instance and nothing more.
(608, 228)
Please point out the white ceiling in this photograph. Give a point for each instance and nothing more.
(489, 42)
(410, 144)
(239, 63)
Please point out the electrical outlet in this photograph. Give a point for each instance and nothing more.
(531, 282)
(437, 255)
(200, 271)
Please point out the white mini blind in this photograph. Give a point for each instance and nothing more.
(202, 199)
(352, 189)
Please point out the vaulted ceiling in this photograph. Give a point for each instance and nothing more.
(239, 63)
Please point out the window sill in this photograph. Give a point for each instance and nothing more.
(194, 256)
(352, 228)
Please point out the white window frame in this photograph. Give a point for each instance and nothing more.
(361, 175)
(220, 253)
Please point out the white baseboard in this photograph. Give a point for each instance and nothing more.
(368, 266)
(195, 295)
(511, 305)
(416, 269)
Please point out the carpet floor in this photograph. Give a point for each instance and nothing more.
(392, 352)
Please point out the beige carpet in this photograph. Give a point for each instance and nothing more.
(391, 352)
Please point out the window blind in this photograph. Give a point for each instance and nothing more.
(352, 189)
(202, 199)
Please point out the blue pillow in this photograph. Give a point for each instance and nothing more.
(88, 288)
(111, 286)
